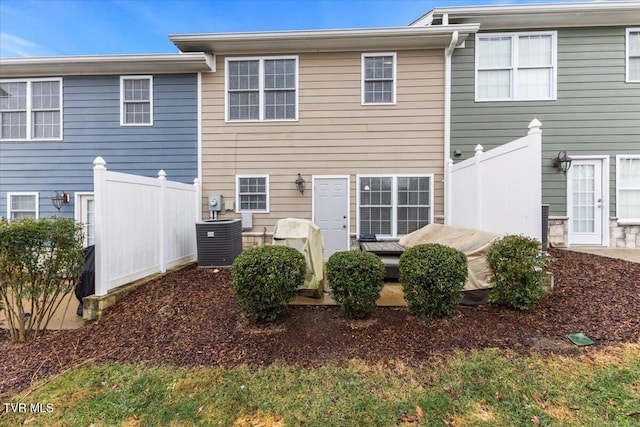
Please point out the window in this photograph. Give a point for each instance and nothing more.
(376, 205)
(90, 224)
(262, 89)
(85, 214)
(628, 186)
(252, 193)
(136, 101)
(31, 109)
(633, 55)
(379, 78)
(394, 205)
(516, 67)
(22, 205)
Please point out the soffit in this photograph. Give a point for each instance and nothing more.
(377, 39)
(106, 64)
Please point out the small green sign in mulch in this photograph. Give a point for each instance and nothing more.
(580, 339)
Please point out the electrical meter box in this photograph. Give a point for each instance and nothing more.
(215, 202)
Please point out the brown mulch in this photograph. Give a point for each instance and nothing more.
(191, 318)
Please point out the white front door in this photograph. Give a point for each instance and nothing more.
(331, 212)
(585, 202)
(87, 217)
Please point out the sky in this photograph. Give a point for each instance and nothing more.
(100, 27)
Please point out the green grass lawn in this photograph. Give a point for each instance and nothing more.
(487, 388)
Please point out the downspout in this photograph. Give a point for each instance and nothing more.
(447, 120)
(199, 139)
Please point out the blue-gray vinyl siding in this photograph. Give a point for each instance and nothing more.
(91, 128)
(596, 111)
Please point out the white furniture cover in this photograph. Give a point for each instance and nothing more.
(475, 244)
(304, 236)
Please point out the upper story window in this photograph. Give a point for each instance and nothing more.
(633, 54)
(31, 109)
(516, 66)
(628, 187)
(136, 101)
(252, 192)
(378, 78)
(22, 205)
(262, 89)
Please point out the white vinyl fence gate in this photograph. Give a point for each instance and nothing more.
(142, 225)
(499, 191)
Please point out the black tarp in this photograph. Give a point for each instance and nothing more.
(87, 284)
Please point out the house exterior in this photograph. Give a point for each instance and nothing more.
(351, 129)
(357, 114)
(576, 68)
(138, 112)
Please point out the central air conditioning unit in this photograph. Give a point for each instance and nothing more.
(219, 242)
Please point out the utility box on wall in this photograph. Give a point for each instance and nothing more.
(219, 242)
(215, 204)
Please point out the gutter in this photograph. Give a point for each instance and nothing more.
(373, 39)
(533, 8)
(107, 64)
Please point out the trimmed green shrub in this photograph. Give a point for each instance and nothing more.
(266, 278)
(356, 279)
(519, 269)
(432, 278)
(40, 261)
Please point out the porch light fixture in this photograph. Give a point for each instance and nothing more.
(562, 162)
(300, 183)
(59, 199)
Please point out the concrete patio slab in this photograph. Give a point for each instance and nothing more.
(631, 254)
(390, 296)
(65, 316)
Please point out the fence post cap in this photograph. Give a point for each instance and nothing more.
(479, 149)
(196, 181)
(162, 174)
(99, 162)
(534, 126)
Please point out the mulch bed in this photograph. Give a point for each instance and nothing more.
(191, 318)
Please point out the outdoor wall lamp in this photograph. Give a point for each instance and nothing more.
(59, 199)
(300, 183)
(562, 162)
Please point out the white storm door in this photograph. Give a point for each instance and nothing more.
(87, 218)
(585, 201)
(331, 212)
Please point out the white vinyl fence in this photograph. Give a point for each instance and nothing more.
(499, 191)
(142, 225)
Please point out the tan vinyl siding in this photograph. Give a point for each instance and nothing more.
(334, 134)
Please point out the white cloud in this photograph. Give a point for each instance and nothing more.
(11, 45)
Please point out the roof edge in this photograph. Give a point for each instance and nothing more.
(531, 10)
(308, 40)
(106, 64)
